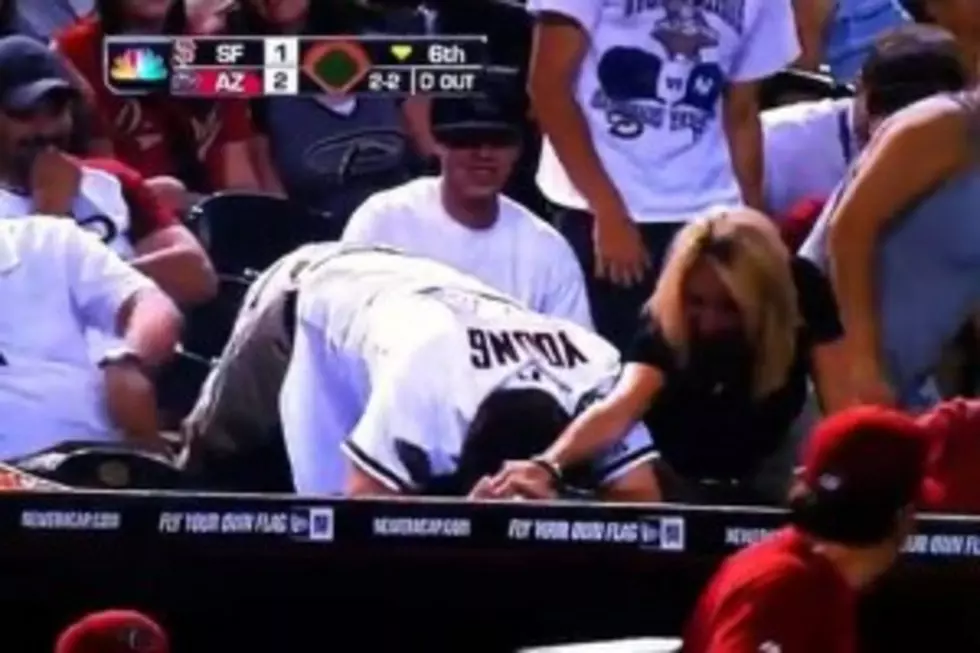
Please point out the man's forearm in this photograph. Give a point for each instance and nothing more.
(745, 144)
(182, 272)
(150, 325)
(851, 276)
(562, 120)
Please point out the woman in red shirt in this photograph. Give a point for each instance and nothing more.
(203, 144)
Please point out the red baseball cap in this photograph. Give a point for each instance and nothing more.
(114, 631)
(954, 457)
(868, 453)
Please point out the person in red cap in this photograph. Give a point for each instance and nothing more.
(851, 510)
(114, 631)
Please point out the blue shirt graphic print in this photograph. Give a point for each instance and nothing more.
(674, 82)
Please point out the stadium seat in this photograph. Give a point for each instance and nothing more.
(207, 327)
(788, 86)
(262, 468)
(103, 466)
(640, 645)
(250, 231)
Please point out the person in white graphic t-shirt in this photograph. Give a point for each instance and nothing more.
(408, 376)
(651, 117)
(463, 219)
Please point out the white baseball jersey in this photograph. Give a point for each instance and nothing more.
(392, 350)
(238, 404)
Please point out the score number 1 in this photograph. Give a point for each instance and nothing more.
(281, 73)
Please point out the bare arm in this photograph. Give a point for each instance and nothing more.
(812, 20)
(261, 155)
(361, 484)
(238, 166)
(150, 324)
(743, 127)
(639, 485)
(605, 422)
(826, 363)
(176, 261)
(559, 47)
(905, 162)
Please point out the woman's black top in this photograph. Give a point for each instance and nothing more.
(706, 428)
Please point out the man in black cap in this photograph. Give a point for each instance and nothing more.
(462, 218)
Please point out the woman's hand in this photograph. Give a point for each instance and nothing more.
(518, 479)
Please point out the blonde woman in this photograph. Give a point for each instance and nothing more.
(718, 368)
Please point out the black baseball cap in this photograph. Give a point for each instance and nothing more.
(496, 116)
(908, 64)
(29, 72)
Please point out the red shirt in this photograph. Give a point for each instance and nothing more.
(798, 222)
(142, 130)
(951, 483)
(147, 214)
(776, 596)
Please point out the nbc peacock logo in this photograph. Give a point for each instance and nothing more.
(138, 65)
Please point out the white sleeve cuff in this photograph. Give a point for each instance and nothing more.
(617, 470)
(376, 470)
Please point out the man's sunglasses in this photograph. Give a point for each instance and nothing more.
(476, 138)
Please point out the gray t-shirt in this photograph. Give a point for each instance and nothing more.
(332, 156)
(927, 270)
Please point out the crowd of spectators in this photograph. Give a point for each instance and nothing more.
(624, 162)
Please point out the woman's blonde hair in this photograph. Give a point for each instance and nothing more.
(747, 253)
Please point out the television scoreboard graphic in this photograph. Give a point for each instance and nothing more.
(246, 67)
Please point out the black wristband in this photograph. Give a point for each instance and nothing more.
(553, 471)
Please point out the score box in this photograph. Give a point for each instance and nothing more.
(137, 66)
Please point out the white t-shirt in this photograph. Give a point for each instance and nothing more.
(651, 88)
(99, 206)
(808, 146)
(56, 281)
(390, 349)
(520, 255)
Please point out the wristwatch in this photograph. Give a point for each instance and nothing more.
(120, 356)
